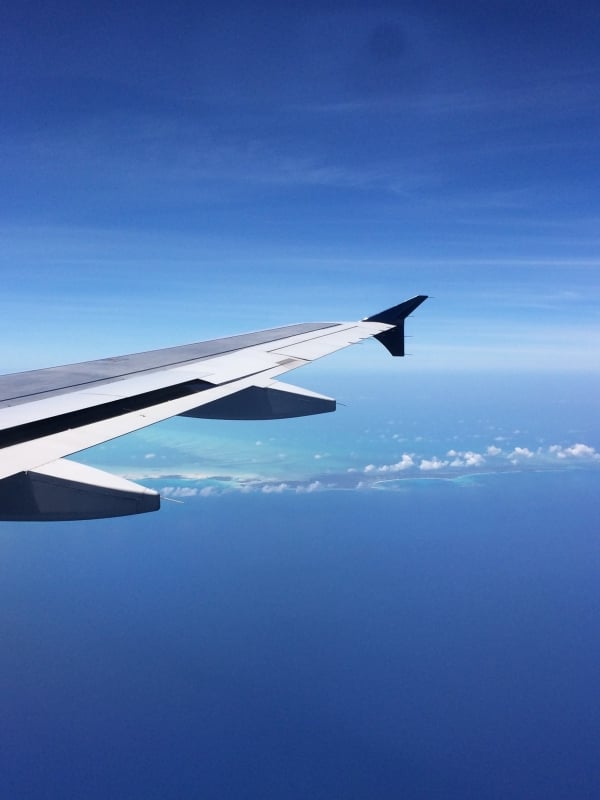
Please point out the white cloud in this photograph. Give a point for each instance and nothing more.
(493, 450)
(315, 486)
(466, 459)
(270, 488)
(579, 450)
(523, 452)
(179, 491)
(432, 464)
(150, 455)
(405, 463)
(473, 459)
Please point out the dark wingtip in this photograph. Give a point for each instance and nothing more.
(396, 314)
(393, 339)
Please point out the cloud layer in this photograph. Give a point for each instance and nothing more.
(454, 464)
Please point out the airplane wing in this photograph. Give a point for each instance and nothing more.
(48, 414)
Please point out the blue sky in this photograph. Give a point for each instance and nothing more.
(174, 173)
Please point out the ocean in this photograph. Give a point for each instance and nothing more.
(440, 640)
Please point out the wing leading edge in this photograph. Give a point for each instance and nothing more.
(46, 415)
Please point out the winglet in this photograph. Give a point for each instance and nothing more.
(397, 314)
(393, 339)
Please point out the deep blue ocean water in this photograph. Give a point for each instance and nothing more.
(437, 642)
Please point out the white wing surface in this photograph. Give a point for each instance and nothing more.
(48, 414)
